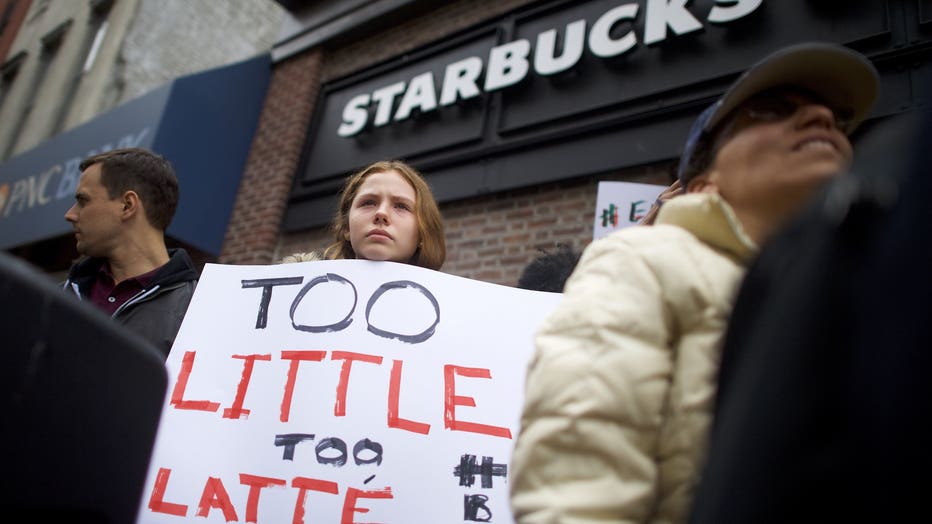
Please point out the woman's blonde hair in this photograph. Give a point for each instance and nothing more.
(432, 249)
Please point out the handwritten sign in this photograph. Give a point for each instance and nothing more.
(622, 204)
(342, 391)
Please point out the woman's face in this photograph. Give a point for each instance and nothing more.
(779, 147)
(382, 219)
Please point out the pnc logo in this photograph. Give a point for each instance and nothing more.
(55, 183)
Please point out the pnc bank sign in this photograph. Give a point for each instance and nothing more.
(510, 63)
(37, 190)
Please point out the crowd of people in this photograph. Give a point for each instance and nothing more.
(626, 403)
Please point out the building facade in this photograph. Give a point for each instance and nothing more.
(73, 63)
(515, 110)
(74, 60)
(12, 14)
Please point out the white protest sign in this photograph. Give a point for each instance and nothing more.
(622, 204)
(342, 391)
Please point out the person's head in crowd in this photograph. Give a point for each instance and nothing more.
(122, 194)
(779, 132)
(549, 271)
(387, 212)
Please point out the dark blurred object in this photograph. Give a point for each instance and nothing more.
(549, 271)
(81, 401)
(825, 386)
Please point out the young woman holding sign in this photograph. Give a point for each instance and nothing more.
(386, 212)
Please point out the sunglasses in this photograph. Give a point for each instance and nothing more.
(776, 107)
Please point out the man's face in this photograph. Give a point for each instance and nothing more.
(96, 217)
(777, 149)
(382, 219)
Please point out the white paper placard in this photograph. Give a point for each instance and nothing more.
(622, 204)
(342, 391)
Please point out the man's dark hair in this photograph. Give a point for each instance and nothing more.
(549, 271)
(150, 175)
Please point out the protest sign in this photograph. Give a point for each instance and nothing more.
(342, 391)
(622, 204)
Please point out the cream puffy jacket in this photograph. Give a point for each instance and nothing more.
(619, 393)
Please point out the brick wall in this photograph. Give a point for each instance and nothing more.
(252, 235)
(493, 237)
(15, 12)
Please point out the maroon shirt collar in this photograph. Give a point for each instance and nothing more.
(109, 296)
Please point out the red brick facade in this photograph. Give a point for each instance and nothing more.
(492, 238)
(252, 235)
(15, 13)
(489, 238)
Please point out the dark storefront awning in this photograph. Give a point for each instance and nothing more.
(203, 124)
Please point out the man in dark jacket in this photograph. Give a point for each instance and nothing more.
(124, 201)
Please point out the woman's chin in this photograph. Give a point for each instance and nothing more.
(375, 254)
